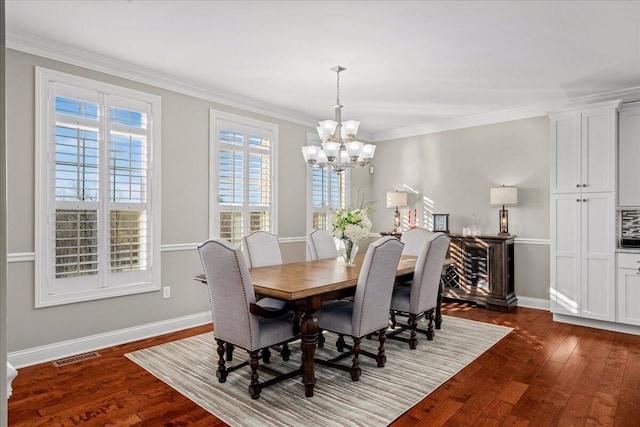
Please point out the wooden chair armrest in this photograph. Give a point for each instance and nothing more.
(269, 313)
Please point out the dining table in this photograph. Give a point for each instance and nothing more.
(306, 285)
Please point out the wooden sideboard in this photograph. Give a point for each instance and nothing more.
(482, 271)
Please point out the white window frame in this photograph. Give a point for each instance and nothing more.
(313, 139)
(215, 118)
(104, 284)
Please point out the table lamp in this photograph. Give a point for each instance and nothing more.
(504, 196)
(396, 199)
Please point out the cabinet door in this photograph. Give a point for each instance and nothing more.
(628, 296)
(598, 245)
(629, 158)
(565, 253)
(565, 153)
(599, 137)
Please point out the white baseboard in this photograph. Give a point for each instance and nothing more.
(539, 303)
(46, 353)
(598, 324)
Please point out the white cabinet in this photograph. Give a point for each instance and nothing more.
(583, 246)
(628, 292)
(583, 149)
(629, 157)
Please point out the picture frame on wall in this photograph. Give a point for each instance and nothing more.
(441, 222)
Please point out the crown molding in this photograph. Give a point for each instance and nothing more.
(50, 49)
(46, 48)
(624, 95)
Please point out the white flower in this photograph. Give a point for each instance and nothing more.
(350, 225)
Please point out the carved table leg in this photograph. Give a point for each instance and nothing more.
(309, 331)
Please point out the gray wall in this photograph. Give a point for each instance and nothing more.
(185, 154)
(455, 169)
(451, 172)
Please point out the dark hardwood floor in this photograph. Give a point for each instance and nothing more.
(543, 373)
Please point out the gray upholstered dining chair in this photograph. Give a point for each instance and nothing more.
(321, 244)
(238, 320)
(369, 310)
(421, 298)
(414, 239)
(261, 249)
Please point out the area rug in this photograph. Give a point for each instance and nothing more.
(382, 394)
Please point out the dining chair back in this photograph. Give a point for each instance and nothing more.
(414, 239)
(261, 249)
(321, 244)
(421, 298)
(238, 320)
(366, 313)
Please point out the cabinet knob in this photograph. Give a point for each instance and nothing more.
(577, 185)
(584, 185)
(584, 200)
(577, 200)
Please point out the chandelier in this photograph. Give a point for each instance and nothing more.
(339, 146)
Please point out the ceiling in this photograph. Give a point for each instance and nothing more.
(409, 64)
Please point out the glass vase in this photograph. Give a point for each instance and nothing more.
(349, 252)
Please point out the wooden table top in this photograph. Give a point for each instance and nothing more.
(298, 280)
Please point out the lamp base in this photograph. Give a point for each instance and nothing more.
(504, 222)
(397, 228)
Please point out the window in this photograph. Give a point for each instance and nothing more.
(98, 205)
(327, 190)
(241, 176)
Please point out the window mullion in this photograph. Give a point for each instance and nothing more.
(245, 178)
(103, 192)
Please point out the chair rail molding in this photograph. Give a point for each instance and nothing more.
(177, 247)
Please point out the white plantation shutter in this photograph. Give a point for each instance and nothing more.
(327, 191)
(242, 176)
(95, 191)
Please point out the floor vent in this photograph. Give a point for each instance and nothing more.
(73, 359)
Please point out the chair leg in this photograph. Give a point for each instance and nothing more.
(320, 339)
(340, 343)
(285, 352)
(393, 319)
(266, 355)
(221, 373)
(413, 339)
(230, 348)
(355, 366)
(254, 387)
(381, 359)
(430, 331)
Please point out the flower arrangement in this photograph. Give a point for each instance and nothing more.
(350, 226)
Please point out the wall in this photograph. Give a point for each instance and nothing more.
(185, 153)
(451, 172)
(453, 169)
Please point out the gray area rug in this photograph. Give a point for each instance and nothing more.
(382, 394)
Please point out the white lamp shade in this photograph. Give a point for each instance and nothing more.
(331, 149)
(354, 148)
(504, 196)
(310, 153)
(350, 127)
(322, 158)
(396, 199)
(368, 150)
(344, 157)
(328, 127)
